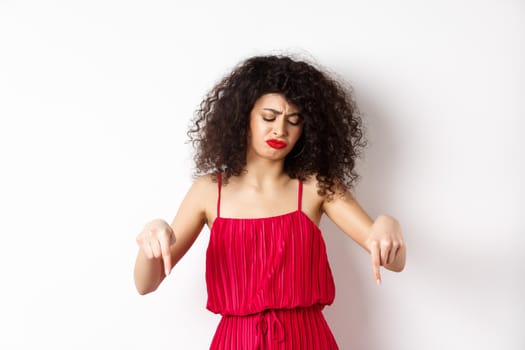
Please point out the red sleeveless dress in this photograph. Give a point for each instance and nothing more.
(270, 279)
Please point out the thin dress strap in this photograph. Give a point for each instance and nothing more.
(219, 194)
(300, 195)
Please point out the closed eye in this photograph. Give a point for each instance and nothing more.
(295, 120)
(268, 119)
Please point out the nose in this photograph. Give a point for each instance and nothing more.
(279, 127)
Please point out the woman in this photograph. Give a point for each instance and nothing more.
(276, 144)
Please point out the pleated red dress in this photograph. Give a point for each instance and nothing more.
(270, 279)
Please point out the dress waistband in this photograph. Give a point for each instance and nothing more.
(268, 327)
(269, 324)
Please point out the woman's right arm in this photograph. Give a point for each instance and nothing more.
(161, 245)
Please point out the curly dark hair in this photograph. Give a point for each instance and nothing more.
(332, 135)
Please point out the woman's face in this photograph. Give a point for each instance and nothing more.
(275, 127)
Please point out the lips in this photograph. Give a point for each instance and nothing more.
(277, 144)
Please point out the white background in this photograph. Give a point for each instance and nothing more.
(95, 101)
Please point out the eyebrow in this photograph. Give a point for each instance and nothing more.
(274, 111)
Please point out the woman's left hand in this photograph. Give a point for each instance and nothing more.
(386, 245)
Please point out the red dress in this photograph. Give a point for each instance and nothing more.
(270, 279)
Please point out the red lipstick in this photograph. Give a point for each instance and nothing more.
(277, 144)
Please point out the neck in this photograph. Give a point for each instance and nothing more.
(261, 171)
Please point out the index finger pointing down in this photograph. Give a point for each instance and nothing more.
(376, 262)
(166, 254)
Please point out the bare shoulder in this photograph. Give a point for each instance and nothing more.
(312, 201)
(204, 183)
(311, 188)
(204, 190)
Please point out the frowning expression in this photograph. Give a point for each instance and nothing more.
(275, 127)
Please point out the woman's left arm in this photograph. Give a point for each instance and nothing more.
(381, 237)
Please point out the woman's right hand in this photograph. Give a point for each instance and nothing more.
(155, 241)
